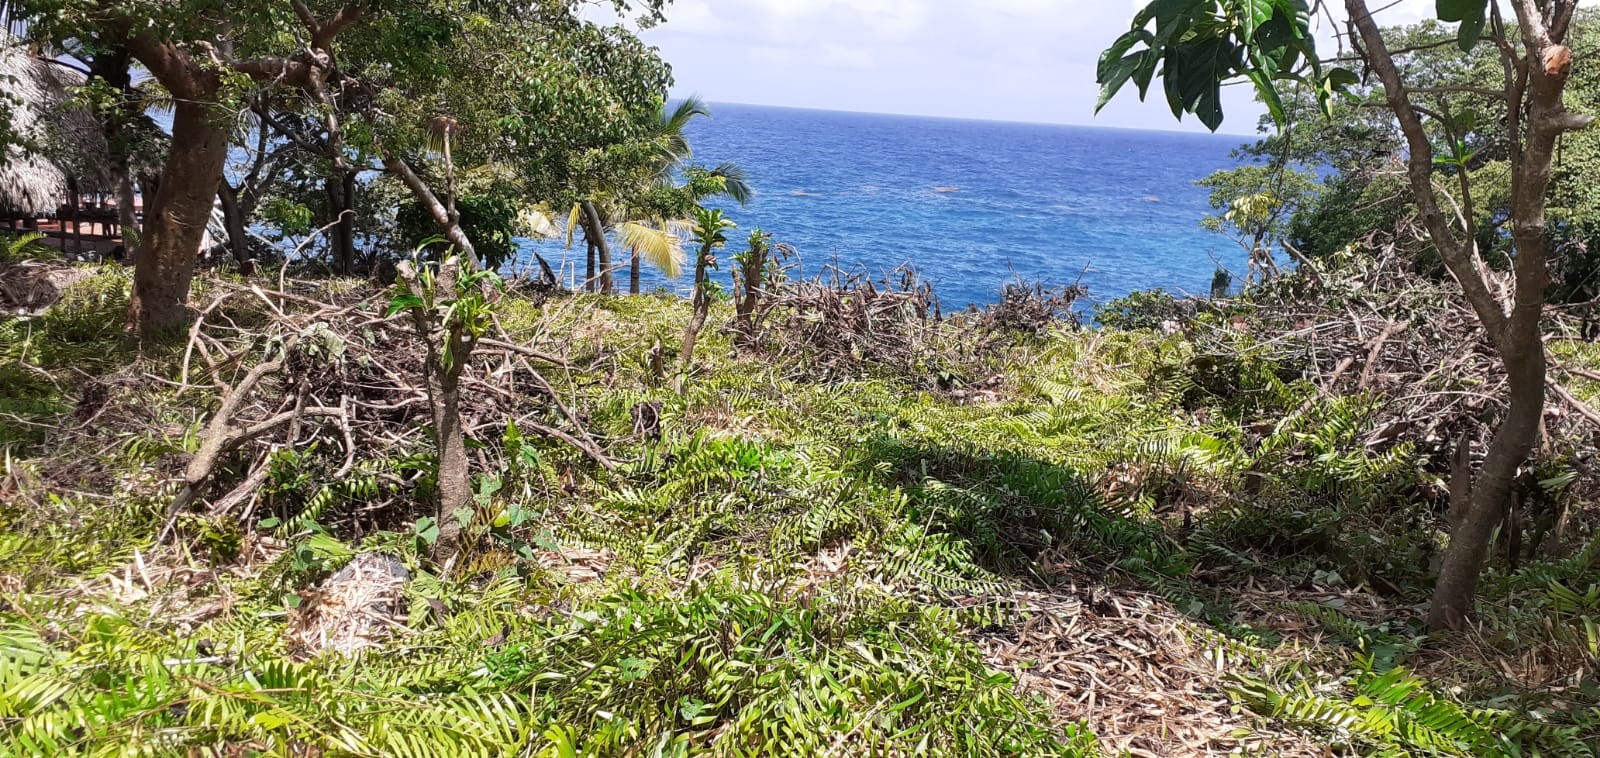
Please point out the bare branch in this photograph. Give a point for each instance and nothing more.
(1458, 255)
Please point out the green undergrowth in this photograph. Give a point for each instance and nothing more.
(791, 568)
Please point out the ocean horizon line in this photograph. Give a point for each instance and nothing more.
(972, 120)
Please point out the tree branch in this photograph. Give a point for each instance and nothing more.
(1458, 256)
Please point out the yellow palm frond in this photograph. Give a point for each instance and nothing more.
(572, 223)
(660, 246)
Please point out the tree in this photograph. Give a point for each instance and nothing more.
(1257, 202)
(450, 311)
(409, 62)
(1202, 43)
(710, 234)
(556, 101)
(640, 200)
(656, 222)
(198, 52)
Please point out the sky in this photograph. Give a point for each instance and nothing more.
(1007, 60)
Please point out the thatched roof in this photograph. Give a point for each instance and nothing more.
(67, 142)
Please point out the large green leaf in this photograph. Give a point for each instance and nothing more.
(1253, 14)
(1172, 17)
(1459, 10)
(1114, 55)
(1470, 13)
(1268, 92)
(1113, 79)
(1193, 74)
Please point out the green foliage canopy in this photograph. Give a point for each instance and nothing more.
(1200, 44)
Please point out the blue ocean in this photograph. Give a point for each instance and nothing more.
(971, 204)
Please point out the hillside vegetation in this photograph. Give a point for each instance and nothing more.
(997, 534)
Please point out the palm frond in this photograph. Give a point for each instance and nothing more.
(155, 97)
(660, 245)
(735, 184)
(675, 146)
(572, 223)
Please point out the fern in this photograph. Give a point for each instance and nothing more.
(1395, 710)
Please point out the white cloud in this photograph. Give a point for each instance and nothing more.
(1010, 59)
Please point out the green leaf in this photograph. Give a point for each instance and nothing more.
(426, 530)
(1456, 10)
(1118, 51)
(403, 302)
(1269, 95)
(1470, 32)
(1172, 17)
(1470, 13)
(1337, 80)
(1194, 75)
(1253, 14)
(1118, 75)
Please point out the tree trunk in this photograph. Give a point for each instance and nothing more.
(1491, 494)
(588, 272)
(455, 473)
(175, 220)
(127, 215)
(443, 382)
(448, 225)
(594, 229)
(634, 268)
(233, 219)
(341, 193)
(750, 277)
(702, 308)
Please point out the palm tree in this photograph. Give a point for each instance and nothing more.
(652, 220)
(659, 237)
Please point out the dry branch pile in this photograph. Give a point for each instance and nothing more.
(1372, 325)
(844, 322)
(1032, 308)
(338, 382)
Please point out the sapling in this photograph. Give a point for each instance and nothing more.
(451, 310)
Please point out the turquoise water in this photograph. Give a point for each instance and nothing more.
(970, 204)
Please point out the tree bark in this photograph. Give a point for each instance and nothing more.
(588, 272)
(455, 473)
(127, 199)
(341, 194)
(702, 307)
(594, 229)
(634, 274)
(233, 220)
(175, 219)
(443, 382)
(1534, 85)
